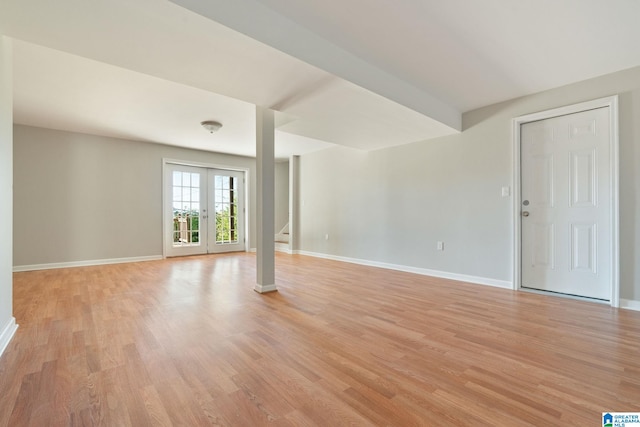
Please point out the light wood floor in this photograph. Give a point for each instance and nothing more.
(187, 342)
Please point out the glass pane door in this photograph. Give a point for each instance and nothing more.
(186, 210)
(227, 189)
(204, 210)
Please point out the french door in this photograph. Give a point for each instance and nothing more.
(204, 210)
(226, 211)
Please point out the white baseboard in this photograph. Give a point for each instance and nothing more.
(283, 247)
(33, 267)
(7, 333)
(505, 284)
(630, 304)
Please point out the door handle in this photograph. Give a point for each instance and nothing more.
(525, 213)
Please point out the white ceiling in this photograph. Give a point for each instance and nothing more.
(362, 73)
(470, 54)
(58, 90)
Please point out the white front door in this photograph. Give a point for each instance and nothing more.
(565, 204)
(204, 210)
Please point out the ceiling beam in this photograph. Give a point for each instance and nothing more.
(263, 24)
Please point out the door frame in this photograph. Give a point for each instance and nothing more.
(166, 195)
(614, 238)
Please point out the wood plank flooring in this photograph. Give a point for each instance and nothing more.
(187, 342)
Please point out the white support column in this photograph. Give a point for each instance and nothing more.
(294, 203)
(265, 162)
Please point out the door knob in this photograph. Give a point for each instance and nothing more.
(525, 213)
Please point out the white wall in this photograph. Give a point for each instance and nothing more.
(81, 197)
(393, 205)
(7, 322)
(281, 195)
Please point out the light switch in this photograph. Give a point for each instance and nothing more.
(506, 191)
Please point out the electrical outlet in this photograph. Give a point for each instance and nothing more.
(440, 246)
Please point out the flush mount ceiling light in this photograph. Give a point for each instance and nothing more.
(211, 125)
